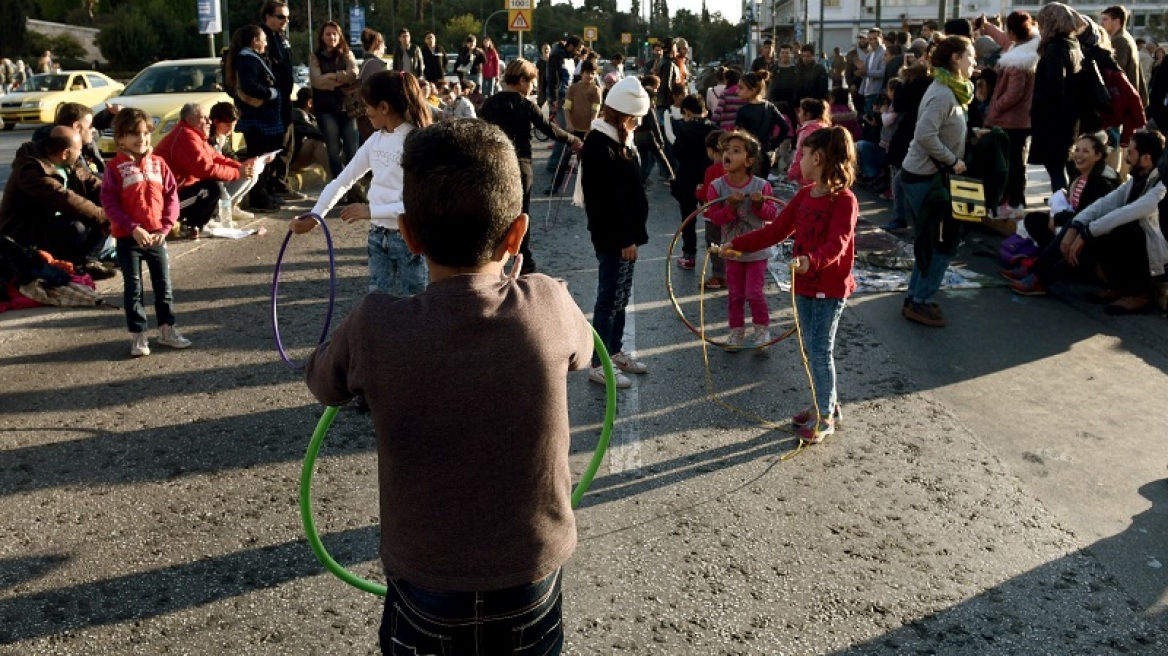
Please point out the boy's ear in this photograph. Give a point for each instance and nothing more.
(403, 227)
(513, 237)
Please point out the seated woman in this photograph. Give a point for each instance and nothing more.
(308, 146)
(1094, 181)
(223, 117)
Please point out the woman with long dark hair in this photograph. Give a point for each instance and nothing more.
(252, 83)
(333, 68)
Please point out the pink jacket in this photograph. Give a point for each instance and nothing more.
(1010, 104)
(795, 171)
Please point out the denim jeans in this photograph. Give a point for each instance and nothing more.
(489, 86)
(130, 259)
(523, 620)
(872, 158)
(393, 269)
(922, 285)
(340, 136)
(818, 321)
(614, 286)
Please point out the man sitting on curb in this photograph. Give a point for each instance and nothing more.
(198, 168)
(52, 202)
(1121, 232)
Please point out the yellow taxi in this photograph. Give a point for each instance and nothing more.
(36, 101)
(162, 89)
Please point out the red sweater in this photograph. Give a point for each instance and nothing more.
(825, 231)
(192, 158)
(139, 193)
(715, 171)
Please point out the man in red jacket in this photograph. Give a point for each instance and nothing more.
(198, 168)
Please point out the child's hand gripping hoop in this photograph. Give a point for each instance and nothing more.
(326, 421)
(328, 319)
(673, 297)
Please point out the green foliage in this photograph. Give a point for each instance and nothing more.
(63, 46)
(129, 42)
(454, 32)
(139, 33)
(13, 28)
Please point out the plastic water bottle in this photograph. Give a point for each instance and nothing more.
(225, 212)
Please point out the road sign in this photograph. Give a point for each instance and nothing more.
(652, 40)
(519, 20)
(626, 38)
(519, 4)
(590, 33)
(356, 24)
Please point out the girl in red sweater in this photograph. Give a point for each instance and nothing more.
(140, 197)
(822, 217)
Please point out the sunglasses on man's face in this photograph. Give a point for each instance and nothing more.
(280, 17)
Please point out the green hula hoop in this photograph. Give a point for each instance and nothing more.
(326, 420)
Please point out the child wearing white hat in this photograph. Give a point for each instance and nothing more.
(618, 211)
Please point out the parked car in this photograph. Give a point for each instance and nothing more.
(38, 98)
(162, 89)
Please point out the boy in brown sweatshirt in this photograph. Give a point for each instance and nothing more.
(467, 386)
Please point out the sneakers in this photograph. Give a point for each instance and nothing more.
(715, 283)
(171, 337)
(596, 375)
(814, 433)
(926, 314)
(99, 270)
(139, 345)
(1028, 285)
(240, 214)
(736, 339)
(760, 336)
(806, 416)
(628, 364)
(1016, 273)
(686, 262)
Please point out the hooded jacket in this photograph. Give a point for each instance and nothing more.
(1010, 105)
(192, 158)
(35, 191)
(139, 193)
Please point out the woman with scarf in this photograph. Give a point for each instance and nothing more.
(251, 82)
(1054, 114)
(938, 147)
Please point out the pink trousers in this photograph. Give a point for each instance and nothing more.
(745, 282)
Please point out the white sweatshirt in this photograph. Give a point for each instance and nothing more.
(382, 154)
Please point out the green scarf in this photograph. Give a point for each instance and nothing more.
(961, 88)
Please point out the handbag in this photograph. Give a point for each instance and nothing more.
(967, 198)
(352, 104)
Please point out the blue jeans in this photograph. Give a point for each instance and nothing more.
(922, 285)
(872, 158)
(818, 321)
(340, 136)
(393, 269)
(130, 259)
(489, 86)
(614, 285)
(523, 620)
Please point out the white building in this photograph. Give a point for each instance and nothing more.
(792, 20)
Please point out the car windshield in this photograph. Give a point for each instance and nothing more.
(45, 83)
(184, 78)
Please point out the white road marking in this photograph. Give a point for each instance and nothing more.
(624, 451)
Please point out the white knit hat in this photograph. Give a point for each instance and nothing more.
(628, 97)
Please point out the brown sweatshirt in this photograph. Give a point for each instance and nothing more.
(467, 385)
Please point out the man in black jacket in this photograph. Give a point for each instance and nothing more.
(811, 79)
(433, 59)
(408, 56)
(274, 21)
(561, 64)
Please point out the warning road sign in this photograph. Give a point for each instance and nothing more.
(626, 38)
(519, 20)
(590, 33)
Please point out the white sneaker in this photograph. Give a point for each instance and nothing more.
(596, 375)
(212, 224)
(171, 337)
(736, 339)
(761, 336)
(240, 214)
(628, 364)
(139, 345)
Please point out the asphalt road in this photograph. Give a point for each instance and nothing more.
(997, 487)
(10, 141)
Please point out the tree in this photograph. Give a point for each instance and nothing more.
(63, 46)
(13, 26)
(129, 41)
(456, 29)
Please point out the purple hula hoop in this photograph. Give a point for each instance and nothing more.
(328, 319)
